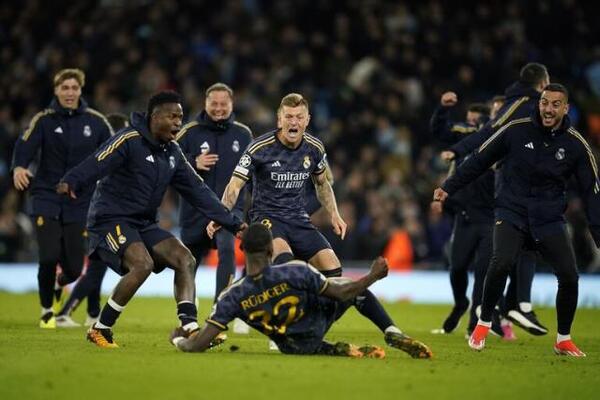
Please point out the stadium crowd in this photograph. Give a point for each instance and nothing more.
(372, 70)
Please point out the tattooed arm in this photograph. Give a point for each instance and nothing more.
(327, 198)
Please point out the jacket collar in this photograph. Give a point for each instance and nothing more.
(219, 126)
(519, 89)
(55, 105)
(536, 119)
(139, 122)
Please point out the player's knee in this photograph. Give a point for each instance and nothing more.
(68, 277)
(568, 279)
(501, 264)
(141, 264)
(184, 260)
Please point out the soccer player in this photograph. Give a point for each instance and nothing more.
(90, 283)
(135, 169)
(541, 153)
(292, 303)
(63, 134)
(280, 163)
(521, 99)
(472, 207)
(213, 144)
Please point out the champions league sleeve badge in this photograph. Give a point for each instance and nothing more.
(245, 161)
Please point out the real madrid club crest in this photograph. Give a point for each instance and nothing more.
(560, 154)
(235, 146)
(87, 131)
(204, 148)
(306, 163)
(172, 162)
(122, 239)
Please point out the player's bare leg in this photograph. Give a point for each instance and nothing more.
(137, 261)
(173, 253)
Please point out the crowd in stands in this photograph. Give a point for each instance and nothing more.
(373, 72)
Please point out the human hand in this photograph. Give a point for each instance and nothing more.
(339, 226)
(21, 178)
(63, 188)
(241, 230)
(447, 155)
(449, 99)
(212, 228)
(440, 195)
(205, 161)
(379, 268)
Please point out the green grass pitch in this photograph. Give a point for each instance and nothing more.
(60, 364)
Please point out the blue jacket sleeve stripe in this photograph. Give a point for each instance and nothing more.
(116, 144)
(463, 129)
(34, 122)
(501, 120)
(244, 126)
(185, 129)
(501, 130)
(573, 132)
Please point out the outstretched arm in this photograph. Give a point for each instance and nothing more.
(232, 191)
(193, 189)
(96, 166)
(230, 196)
(345, 288)
(198, 342)
(492, 150)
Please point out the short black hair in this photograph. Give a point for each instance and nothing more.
(557, 87)
(117, 121)
(480, 108)
(533, 74)
(164, 97)
(256, 238)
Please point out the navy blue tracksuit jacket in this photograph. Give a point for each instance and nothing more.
(63, 138)
(135, 171)
(228, 139)
(475, 202)
(521, 101)
(537, 166)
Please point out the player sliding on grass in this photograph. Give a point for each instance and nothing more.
(293, 304)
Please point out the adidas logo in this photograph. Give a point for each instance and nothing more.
(150, 158)
(58, 130)
(529, 145)
(276, 164)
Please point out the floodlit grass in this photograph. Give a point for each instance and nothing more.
(60, 364)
